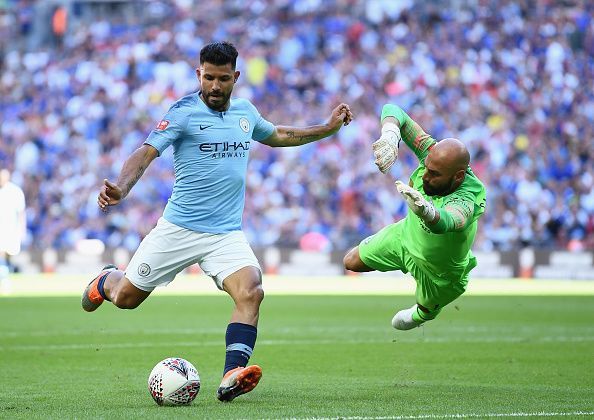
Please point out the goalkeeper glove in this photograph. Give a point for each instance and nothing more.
(385, 149)
(416, 202)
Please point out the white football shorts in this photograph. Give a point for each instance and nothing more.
(169, 248)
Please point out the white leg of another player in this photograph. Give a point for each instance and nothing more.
(5, 284)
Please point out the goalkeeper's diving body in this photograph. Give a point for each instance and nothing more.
(445, 200)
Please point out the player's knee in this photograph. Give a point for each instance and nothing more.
(347, 261)
(256, 294)
(352, 261)
(253, 295)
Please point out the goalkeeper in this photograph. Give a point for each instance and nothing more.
(433, 241)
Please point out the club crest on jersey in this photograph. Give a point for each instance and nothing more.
(244, 124)
(163, 124)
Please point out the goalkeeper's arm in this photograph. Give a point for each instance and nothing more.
(385, 149)
(412, 134)
(456, 215)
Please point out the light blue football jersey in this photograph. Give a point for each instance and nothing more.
(210, 155)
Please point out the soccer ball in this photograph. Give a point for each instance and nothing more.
(174, 381)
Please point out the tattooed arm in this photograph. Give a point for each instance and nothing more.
(284, 136)
(412, 133)
(111, 194)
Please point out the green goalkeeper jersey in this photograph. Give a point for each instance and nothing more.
(443, 249)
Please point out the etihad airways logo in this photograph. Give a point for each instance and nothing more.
(226, 149)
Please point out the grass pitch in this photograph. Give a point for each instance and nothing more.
(322, 356)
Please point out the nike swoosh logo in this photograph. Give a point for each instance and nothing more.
(204, 127)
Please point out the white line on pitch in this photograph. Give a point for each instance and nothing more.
(467, 333)
(108, 346)
(464, 416)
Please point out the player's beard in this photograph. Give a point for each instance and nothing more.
(440, 190)
(218, 103)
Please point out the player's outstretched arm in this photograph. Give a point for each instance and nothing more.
(456, 215)
(396, 125)
(285, 136)
(417, 203)
(111, 194)
(385, 149)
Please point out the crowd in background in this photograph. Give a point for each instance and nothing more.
(512, 79)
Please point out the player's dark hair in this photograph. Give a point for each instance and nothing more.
(219, 54)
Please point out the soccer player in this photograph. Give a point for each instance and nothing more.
(211, 136)
(13, 225)
(433, 241)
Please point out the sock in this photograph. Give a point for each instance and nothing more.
(240, 340)
(417, 317)
(420, 316)
(100, 286)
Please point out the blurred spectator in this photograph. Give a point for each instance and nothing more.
(59, 24)
(514, 79)
(13, 227)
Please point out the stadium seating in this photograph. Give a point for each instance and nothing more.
(515, 84)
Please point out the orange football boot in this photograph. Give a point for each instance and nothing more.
(238, 381)
(91, 298)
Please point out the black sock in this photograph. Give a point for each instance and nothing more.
(240, 340)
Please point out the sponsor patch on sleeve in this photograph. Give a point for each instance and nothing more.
(163, 124)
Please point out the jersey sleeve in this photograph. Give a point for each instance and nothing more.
(262, 128)
(169, 129)
(412, 133)
(460, 210)
(455, 216)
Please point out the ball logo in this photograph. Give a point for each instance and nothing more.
(244, 124)
(144, 270)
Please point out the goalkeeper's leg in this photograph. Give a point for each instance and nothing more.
(381, 251)
(413, 317)
(431, 297)
(352, 262)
